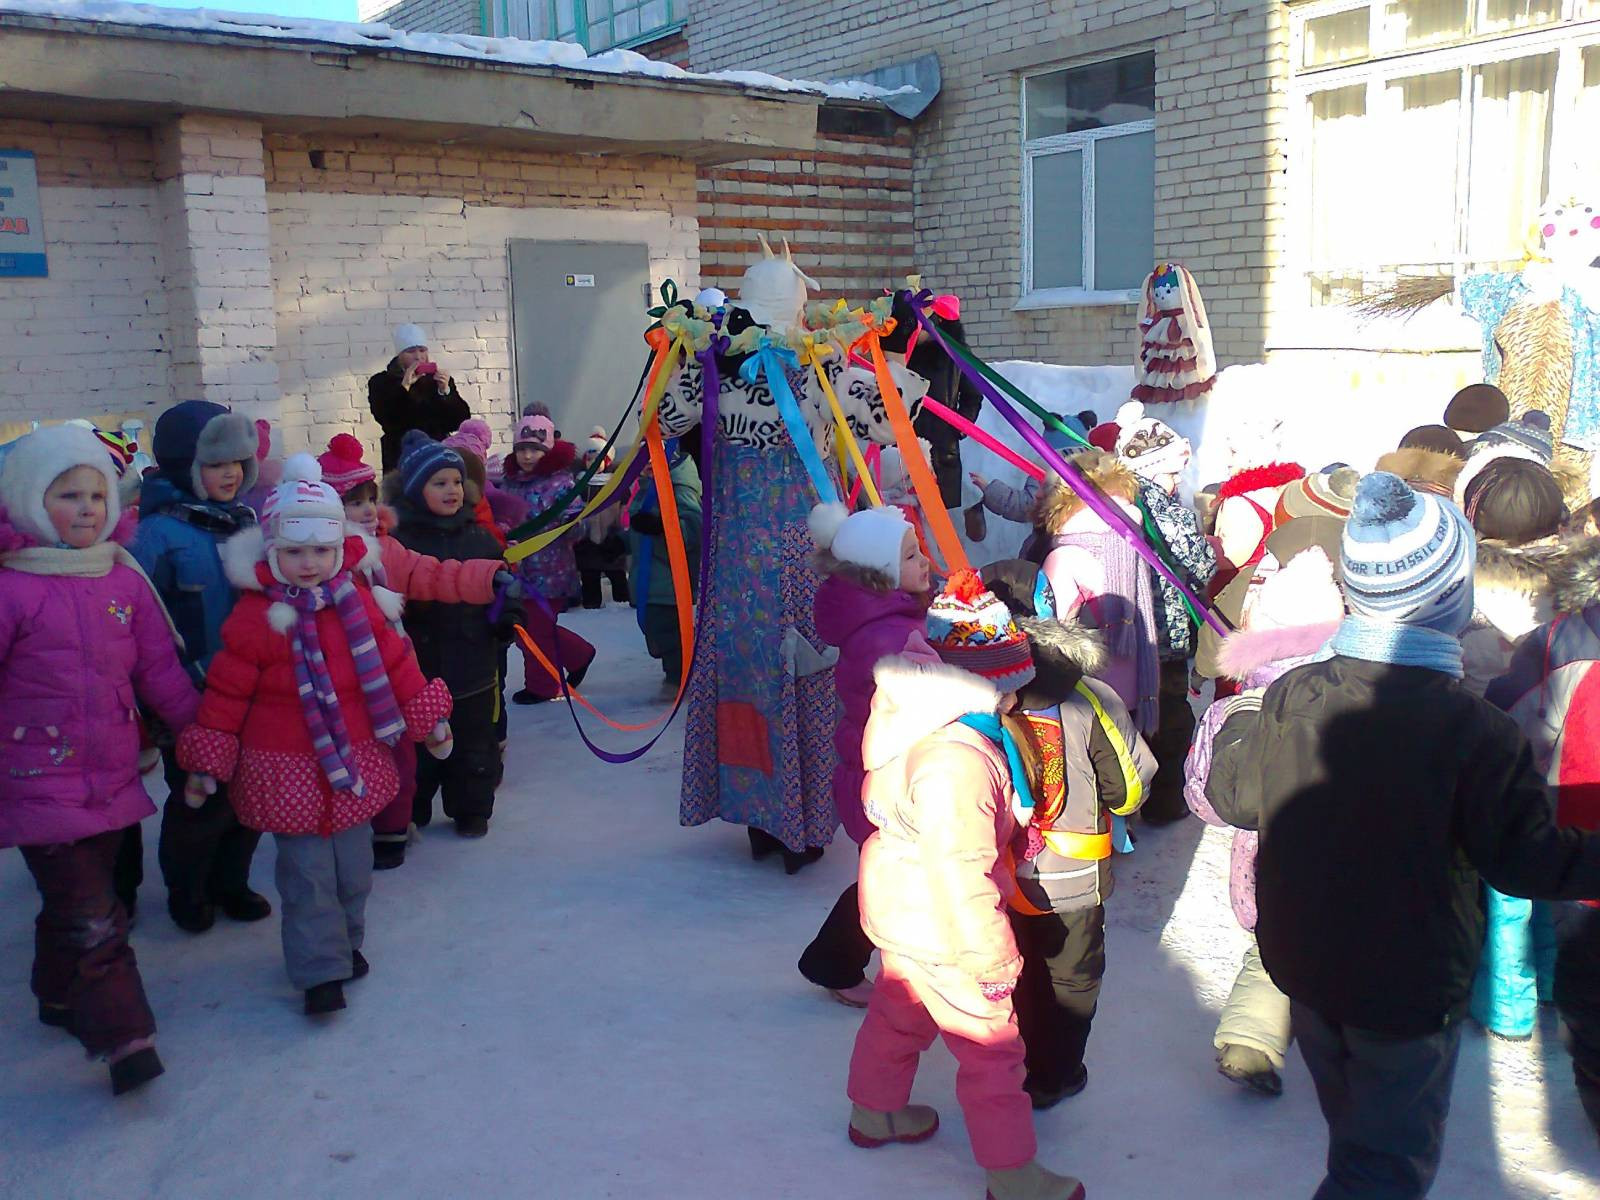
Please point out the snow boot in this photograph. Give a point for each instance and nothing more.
(762, 843)
(190, 914)
(912, 1124)
(324, 998)
(359, 966)
(853, 997)
(1250, 1068)
(1046, 1098)
(1033, 1182)
(386, 856)
(134, 1070)
(245, 906)
(472, 827)
(792, 862)
(57, 1016)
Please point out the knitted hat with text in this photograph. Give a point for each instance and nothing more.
(1407, 557)
(969, 627)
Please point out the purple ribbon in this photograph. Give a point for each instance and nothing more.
(710, 387)
(1091, 495)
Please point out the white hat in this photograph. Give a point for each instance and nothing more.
(711, 297)
(302, 511)
(31, 466)
(408, 336)
(773, 290)
(872, 538)
(1301, 592)
(1168, 452)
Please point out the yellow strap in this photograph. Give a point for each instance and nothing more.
(1130, 772)
(845, 438)
(1090, 847)
(660, 374)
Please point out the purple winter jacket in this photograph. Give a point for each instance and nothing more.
(867, 626)
(77, 656)
(1257, 659)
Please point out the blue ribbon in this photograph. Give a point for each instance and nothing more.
(991, 727)
(774, 362)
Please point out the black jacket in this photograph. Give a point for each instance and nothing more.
(947, 385)
(454, 642)
(399, 410)
(1382, 793)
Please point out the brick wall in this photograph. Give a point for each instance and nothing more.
(384, 233)
(1218, 146)
(432, 16)
(674, 48)
(845, 207)
(91, 339)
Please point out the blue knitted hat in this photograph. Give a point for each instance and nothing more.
(1407, 557)
(421, 458)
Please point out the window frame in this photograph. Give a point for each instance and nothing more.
(1060, 143)
(1567, 37)
(677, 18)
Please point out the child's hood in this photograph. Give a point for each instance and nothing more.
(1247, 652)
(844, 607)
(244, 561)
(560, 457)
(914, 699)
(12, 538)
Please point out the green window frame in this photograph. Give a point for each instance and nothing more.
(614, 24)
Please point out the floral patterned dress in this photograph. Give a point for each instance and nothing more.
(761, 708)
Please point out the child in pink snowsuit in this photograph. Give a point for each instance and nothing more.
(871, 606)
(945, 779)
(84, 640)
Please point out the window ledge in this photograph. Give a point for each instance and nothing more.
(654, 35)
(1073, 298)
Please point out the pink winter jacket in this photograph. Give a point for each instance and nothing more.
(934, 877)
(77, 657)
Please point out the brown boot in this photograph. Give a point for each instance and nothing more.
(1033, 1182)
(913, 1123)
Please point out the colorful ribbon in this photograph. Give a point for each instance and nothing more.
(987, 440)
(773, 361)
(845, 437)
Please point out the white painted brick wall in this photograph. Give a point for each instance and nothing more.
(424, 16)
(347, 269)
(91, 339)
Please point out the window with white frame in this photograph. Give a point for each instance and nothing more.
(1088, 182)
(1429, 133)
(594, 24)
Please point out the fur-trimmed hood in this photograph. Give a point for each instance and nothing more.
(913, 699)
(1514, 586)
(559, 457)
(1060, 503)
(1257, 478)
(1575, 576)
(1248, 651)
(1063, 653)
(244, 560)
(1429, 468)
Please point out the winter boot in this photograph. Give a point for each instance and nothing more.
(359, 966)
(1033, 1182)
(57, 1016)
(912, 1124)
(792, 862)
(386, 856)
(134, 1070)
(324, 998)
(191, 914)
(472, 827)
(1250, 1068)
(762, 843)
(245, 906)
(1048, 1097)
(858, 996)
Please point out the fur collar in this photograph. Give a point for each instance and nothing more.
(559, 457)
(1246, 651)
(915, 698)
(1256, 478)
(1416, 465)
(1575, 576)
(244, 557)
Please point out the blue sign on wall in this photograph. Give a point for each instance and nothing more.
(21, 230)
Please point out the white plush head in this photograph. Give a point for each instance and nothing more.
(303, 511)
(773, 290)
(32, 465)
(871, 539)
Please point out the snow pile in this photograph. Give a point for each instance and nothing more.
(511, 51)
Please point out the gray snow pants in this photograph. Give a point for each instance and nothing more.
(323, 883)
(1385, 1100)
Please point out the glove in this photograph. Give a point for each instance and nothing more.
(441, 741)
(505, 581)
(648, 523)
(996, 992)
(198, 790)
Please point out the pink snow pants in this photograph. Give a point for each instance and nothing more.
(395, 820)
(911, 1005)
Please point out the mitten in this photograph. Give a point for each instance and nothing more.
(505, 581)
(996, 992)
(198, 790)
(441, 741)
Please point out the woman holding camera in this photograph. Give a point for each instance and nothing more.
(413, 392)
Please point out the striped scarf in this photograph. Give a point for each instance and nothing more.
(319, 702)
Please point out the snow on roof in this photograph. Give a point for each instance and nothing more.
(511, 51)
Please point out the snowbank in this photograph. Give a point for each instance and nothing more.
(514, 51)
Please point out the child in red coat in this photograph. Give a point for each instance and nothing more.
(303, 703)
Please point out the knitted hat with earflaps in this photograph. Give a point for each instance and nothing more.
(969, 627)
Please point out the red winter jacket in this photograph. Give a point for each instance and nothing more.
(251, 732)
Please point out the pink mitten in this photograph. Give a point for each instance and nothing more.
(996, 992)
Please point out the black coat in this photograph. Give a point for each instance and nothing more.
(400, 411)
(454, 642)
(954, 390)
(1382, 793)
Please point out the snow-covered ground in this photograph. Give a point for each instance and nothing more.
(594, 1002)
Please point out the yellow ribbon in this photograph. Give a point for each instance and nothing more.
(846, 438)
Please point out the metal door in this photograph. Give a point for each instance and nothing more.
(578, 316)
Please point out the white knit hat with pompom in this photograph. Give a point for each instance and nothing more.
(1301, 592)
(872, 538)
(303, 510)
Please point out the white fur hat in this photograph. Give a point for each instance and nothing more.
(302, 511)
(408, 336)
(31, 467)
(872, 538)
(1301, 592)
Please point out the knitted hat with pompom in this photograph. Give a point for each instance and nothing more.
(303, 510)
(1407, 557)
(871, 539)
(344, 466)
(969, 627)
